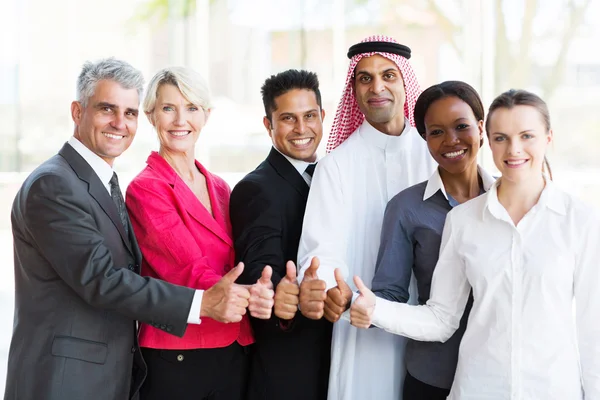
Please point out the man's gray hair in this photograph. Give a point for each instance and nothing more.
(107, 69)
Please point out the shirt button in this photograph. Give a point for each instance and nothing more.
(180, 357)
(130, 267)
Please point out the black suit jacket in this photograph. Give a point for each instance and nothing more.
(78, 291)
(291, 360)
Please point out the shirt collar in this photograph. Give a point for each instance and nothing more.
(435, 183)
(100, 167)
(299, 165)
(383, 141)
(551, 198)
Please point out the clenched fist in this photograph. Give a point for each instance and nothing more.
(287, 294)
(312, 292)
(261, 296)
(362, 309)
(338, 298)
(226, 301)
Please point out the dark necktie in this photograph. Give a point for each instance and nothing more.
(310, 170)
(117, 196)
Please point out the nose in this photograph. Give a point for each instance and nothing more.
(514, 148)
(118, 122)
(452, 137)
(378, 85)
(300, 126)
(180, 119)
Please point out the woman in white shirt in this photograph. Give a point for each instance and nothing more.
(527, 250)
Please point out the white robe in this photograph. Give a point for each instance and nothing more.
(342, 226)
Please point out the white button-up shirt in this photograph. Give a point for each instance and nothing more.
(523, 335)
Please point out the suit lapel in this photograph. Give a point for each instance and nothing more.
(95, 188)
(287, 171)
(219, 225)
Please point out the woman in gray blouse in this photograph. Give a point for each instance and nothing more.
(449, 116)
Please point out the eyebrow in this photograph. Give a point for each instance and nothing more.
(363, 72)
(104, 104)
(313, 110)
(506, 134)
(171, 104)
(456, 120)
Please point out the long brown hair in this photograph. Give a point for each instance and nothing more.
(512, 98)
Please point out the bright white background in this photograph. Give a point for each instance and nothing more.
(546, 46)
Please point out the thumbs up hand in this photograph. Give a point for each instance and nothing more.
(362, 309)
(261, 300)
(286, 294)
(226, 301)
(312, 292)
(338, 298)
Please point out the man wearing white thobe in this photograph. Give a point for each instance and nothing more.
(380, 153)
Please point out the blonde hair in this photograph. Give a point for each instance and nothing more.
(190, 83)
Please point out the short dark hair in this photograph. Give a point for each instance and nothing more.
(285, 81)
(519, 97)
(458, 89)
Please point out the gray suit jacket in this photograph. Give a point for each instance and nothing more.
(78, 291)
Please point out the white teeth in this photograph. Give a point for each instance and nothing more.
(518, 162)
(111, 136)
(180, 133)
(455, 154)
(301, 141)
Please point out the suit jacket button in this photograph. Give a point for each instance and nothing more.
(163, 327)
(169, 329)
(133, 349)
(180, 357)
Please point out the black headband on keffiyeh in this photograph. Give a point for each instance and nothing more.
(379, 47)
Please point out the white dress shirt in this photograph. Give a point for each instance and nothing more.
(105, 173)
(523, 341)
(342, 226)
(300, 166)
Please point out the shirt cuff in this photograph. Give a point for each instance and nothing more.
(194, 316)
(346, 314)
(381, 312)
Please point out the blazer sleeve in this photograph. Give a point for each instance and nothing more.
(257, 232)
(167, 244)
(57, 216)
(395, 260)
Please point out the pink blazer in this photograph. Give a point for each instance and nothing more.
(182, 243)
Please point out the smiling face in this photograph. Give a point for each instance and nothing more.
(379, 91)
(519, 140)
(108, 122)
(297, 124)
(453, 134)
(177, 121)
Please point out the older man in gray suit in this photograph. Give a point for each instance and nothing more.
(77, 287)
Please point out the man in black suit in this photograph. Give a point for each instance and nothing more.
(291, 359)
(77, 287)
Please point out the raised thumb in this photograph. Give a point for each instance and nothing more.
(312, 269)
(360, 285)
(265, 277)
(235, 273)
(290, 271)
(339, 278)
